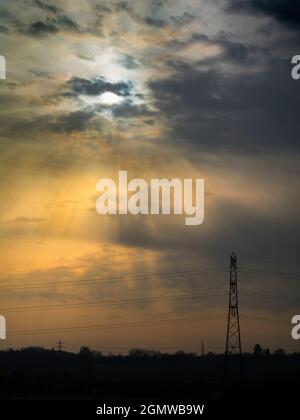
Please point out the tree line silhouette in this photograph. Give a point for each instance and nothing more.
(36, 372)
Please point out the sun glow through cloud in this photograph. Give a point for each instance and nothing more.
(109, 98)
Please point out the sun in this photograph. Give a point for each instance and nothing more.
(110, 98)
(106, 98)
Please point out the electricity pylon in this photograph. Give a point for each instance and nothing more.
(233, 347)
(60, 345)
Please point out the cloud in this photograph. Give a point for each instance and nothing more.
(24, 126)
(73, 121)
(50, 26)
(210, 109)
(239, 53)
(45, 6)
(41, 28)
(40, 19)
(130, 110)
(25, 219)
(28, 128)
(159, 23)
(3, 29)
(97, 86)
(284, 11)
(129, 62)
(183, 19)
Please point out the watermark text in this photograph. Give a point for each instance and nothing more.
(160, 196)
(2, 68)
(296, 67)
(2, 328)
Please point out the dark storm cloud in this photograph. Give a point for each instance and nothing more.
(41, 28)
(209, 109)
(172, 20)
(3, 29)
(262, 234)
(284, 11)
(155, 22)
(55, 20)
(239, 53)
(130, 110)
(74, 121)
(182, 20)
(45, 6)
(51, 20)
(50, 26)
(23, 126)
(232, 51)
(103, 8)
(129, 62)
(34, 125)
(97, 86)
(8, 21)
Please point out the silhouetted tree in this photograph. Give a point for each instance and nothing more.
(266, 353)
(143, 353)
(257, 351)
(85, 353)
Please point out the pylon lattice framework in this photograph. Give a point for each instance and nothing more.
(233, 337)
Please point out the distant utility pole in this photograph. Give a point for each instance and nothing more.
(233, 338)
(202, 349)
(60, 345)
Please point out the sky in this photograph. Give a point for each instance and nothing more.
(160, 88)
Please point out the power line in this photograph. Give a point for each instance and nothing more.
(136, 300)
(120, 325)
(279, 321)
(270, 273)
(134, 324)
(265, 295)
(138, 277)
(144, 299)
(162, 258)
(110, 280)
